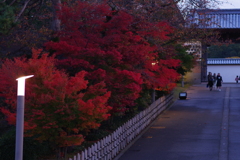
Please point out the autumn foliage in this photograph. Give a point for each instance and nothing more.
(113, 46)
(98, 65)
(56, 108)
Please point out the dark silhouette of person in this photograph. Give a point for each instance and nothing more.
(210, 80)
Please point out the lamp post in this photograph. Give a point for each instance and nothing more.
(20, 117)
(153, 91)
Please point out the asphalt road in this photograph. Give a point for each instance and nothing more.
(205, 126)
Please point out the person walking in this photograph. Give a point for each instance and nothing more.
(214, 80)
(219, 81)
(236, 79)
(210, 81)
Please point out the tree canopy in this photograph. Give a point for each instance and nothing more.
(224, 51)
(97, 61)
(111, 47)
(58, 108)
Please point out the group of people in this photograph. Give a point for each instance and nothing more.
(214, 81)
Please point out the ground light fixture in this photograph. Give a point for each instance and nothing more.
(183, 95)
(20, 117)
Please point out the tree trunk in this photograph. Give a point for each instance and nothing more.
(56, 5)
(204, 63)
(153, 95)
(182, 81)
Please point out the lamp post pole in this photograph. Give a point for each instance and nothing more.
(20, 117)
(153, 90)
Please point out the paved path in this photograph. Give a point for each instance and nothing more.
(205, 126)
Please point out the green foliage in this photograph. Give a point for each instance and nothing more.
(144, 100)
(96, 135)
(6, 18)
(32, 149)
(224, 51)
(187, 60)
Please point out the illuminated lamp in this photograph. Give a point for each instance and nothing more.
(183, 95)
(20, 117)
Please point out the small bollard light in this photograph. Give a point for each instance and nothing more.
(183, 95)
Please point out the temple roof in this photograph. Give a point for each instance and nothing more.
(217, 18)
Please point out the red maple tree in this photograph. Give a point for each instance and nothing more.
(109, 46)
(58, 108)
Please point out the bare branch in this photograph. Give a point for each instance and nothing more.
(22, 10)
(12, 2)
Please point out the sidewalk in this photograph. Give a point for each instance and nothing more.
(205, 126)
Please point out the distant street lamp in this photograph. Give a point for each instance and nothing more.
(153, 91)
(20, 117)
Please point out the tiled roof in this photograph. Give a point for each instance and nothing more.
(218, 18)
(216, 61)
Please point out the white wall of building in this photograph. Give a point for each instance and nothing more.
(228, 72)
